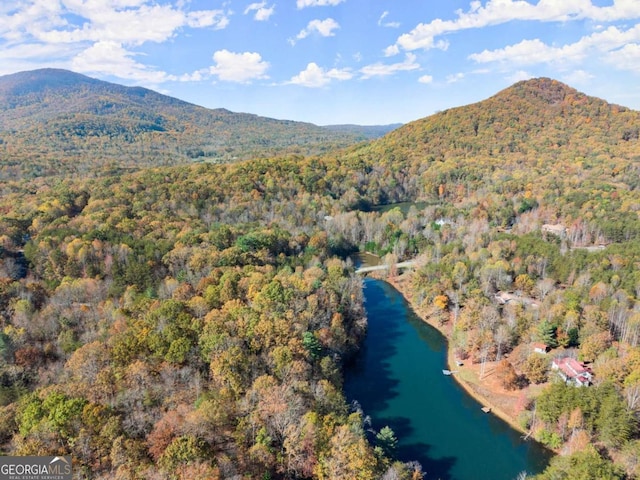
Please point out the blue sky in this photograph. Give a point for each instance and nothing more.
(331, 61)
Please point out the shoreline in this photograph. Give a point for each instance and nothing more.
(399, 283)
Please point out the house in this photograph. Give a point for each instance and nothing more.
(503, 298)
(572, 371)
(540, 348)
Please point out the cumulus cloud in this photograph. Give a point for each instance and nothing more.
(531, 52)
(315, 76)
(317, 3)
(626, 58)
(217, 19)
(425, 79)
(148, 23)
(263, 13)
(97, 36)
(324, 28)
(495, 12)
(381, 69)
(238, 67)
(110, 58)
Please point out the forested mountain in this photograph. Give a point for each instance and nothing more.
(56, 122)
(192, 321)
(533, 118)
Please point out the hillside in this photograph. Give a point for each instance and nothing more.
(57, 122)
(531, 118)
(192, 321)
(520, 140)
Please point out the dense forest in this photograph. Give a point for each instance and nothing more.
(56, 122)
(192, 321)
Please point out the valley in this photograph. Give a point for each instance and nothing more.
(183, 319)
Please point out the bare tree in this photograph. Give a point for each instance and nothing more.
(502, 336)
(544, 287)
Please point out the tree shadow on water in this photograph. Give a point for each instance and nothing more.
(434, 469)
(372, 382)
(368, 376)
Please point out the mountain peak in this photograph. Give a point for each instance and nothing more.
(34, 81)
(532, 119)
(542, 89)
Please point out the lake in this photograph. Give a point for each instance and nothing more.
(397, 379)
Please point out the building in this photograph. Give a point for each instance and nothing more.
(540, 348)
(573, 371)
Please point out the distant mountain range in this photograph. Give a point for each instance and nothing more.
(56, 122)
(369, 132)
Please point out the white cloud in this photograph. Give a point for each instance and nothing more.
(425, 79)
(208, 18)
(387, 24)
(456, 77)
(527, 52)
(317, 3)
(28, 56)
(324, 28)
(156, 23)
(497, 12)
(263, 13)
(95, 35)
(519, 76)
(196, 76)
(315, 76)
(626, 58)
(531, 52)
(577, 77)
(238, 67)
(382, 70)
(111, 58)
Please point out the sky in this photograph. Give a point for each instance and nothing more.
(368, 62)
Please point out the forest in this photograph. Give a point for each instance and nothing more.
(193, 321)
(58, 123)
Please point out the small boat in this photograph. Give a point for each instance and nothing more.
(486, 409)
(447, 372)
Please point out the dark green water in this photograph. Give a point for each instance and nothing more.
(397, 379)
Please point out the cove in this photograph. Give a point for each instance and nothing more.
(397, 379)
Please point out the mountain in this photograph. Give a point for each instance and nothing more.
(520, 141)
(56, 121)
(533, 118)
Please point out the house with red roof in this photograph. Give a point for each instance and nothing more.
(573, 371)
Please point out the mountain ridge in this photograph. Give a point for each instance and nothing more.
(59, 122)
(50, 119)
